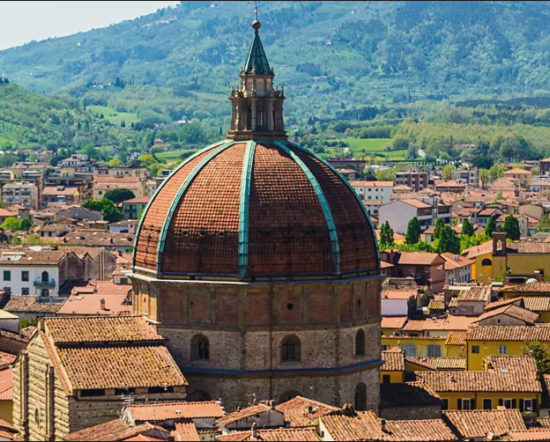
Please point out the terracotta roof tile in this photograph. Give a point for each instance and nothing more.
(180, 410)
(297, 413)
(117, 430)
(395, 361)
(419, 430)
(440, 363)
(518, 364)
(533, 434)
(538, 332)
(245, 413)
(479, 423)
(501, 303)
(120, 367)
(512, 311)
(537, 303)
(453, 261)
(413, 394)
(187, 431)
(436, 304)
(418, 258)
(480, 381)
(399, 294)
(100, 329)
(283, 434)
(476, 294)
(29, 304)
(416, 203)
(6, 384)
(535, 287)
(396, 323)
(352, 426)
(449, 323)
(544, 422)
(456, 338)
(84, 305)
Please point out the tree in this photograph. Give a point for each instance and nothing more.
(467, 228)
(118, 196)
(25, 224)
(540, 354)
(413, 232)
(114, 162)
(485, 177)
(544, 225)
(448, 241)
(10, 223)
(370, 175)
(439, 226)
(511, 227)
(110, 212)
(448, 172)
(491, 227)
(386, 236)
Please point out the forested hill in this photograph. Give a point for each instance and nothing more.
(325, 53)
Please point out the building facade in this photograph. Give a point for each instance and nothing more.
(25, 194)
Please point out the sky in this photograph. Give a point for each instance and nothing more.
(22, 21)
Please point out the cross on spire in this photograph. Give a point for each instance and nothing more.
(256, 11)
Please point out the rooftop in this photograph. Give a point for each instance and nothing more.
(180, 410)
(413, 394)
(538, 332)
(448, 323)
(513, 312)
(395, 360)
(117, 430)
(479, 423)
(475, 294)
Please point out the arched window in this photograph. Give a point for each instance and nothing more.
(291, 349)
(409, 350)
(288, 396)
(486, 263)
(45, 276)
(200, 349)
(434, 351)
(361, 397)
(360, 343)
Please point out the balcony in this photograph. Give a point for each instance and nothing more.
(50, 283)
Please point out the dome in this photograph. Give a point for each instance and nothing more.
(256, 210)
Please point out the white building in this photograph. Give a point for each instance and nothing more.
(458, 269)
(25, 194)
(399, 213)
(36, 272)
(374, 190)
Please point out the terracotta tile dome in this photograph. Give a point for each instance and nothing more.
(254, 210)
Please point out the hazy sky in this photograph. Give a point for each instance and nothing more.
(22, 21)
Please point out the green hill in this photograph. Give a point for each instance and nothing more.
(331, 56)
(29, 119)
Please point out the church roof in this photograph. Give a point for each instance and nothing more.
(257, 63)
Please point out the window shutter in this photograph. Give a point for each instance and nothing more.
(472, 404)
(514, 404)
(521, 405)
(460, 404)
(500, 402)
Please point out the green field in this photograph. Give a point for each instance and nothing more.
(375, 148)
(173, 155)
(114, 116)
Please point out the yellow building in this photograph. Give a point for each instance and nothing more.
(456, 344)
(393, 371)
(497, 340)
(497, 258)
(508, 382)
(524, 177)
(416, 346)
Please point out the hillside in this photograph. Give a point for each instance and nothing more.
(29, 119)
(331, 56)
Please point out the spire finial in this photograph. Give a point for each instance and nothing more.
(256, 24)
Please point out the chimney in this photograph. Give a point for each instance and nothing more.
(254, 432)
(272, 404)
(383, 425)
(102, 305)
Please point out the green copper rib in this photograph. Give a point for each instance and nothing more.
(179, 196)
(176, 170)
(244, 208)
(324, 204)
(365, 211)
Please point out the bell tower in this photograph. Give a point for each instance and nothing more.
(257, 106)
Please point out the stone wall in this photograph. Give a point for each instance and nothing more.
(410, 413)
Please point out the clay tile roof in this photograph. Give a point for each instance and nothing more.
(476, 294)
(499, 304)
(425, 430)
(453, 261)
(26, 257)
(6, 384)
(399, 294)
(537, 304)
(282, 434)
(187, 431)
(535, 287)
(449, 323)
(480, 423)
(533, 434)
(395, 361)
(480, 381)
(117, 430)
(352, 426)
(538, 332)
(436, 304)
(371, 183)
(530, 248)
(440, 363)
(100, 329)
(120, 367)
(544, 422)
(413, 394)
(512, 311)
(456, 338)
(483, 249)
(517, 172)
(245, 413)
(139, 200)
(180, 410)
(418, 258)
(518, 364)
(83, 305)
(296, 411)
(393, 322)
(21, 304)
(416, 203)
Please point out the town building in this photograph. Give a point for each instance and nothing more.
(25, 194)
(469, 177)
(523, 177)
(399, 214)
(85, 370)
(458, 269)
(415, 179)
(60, 194)
(133, 208)
(103, 184)
(373, 190)
(252, 225)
